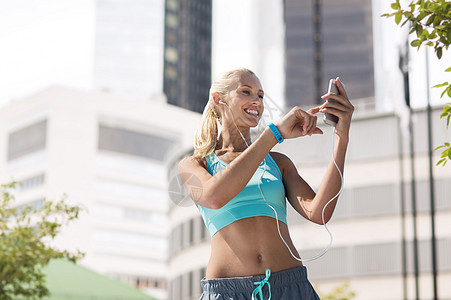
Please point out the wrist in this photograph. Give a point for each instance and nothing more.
(342, 138)
(275, 131)
(269, 136)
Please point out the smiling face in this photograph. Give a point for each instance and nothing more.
(245, 99)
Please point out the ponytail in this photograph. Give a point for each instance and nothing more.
(206, 135)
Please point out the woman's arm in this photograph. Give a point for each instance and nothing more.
(302, 197)
(308, 203)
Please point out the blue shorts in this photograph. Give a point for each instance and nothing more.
(285, 285)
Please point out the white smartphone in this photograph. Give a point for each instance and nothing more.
(330, 119)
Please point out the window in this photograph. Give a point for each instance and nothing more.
(27, 140)
(171, 55)
(31, 182)
(134, 143)
(191, 232)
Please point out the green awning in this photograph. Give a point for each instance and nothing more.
(66, 280)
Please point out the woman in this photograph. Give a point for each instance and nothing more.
(244, 184)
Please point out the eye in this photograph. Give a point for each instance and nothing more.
(246, 92)
(260, 96)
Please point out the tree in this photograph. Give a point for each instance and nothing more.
(24, 235)
(430, 20)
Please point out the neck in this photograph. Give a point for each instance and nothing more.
(232, 140)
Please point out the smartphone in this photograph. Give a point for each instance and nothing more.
(330, 119)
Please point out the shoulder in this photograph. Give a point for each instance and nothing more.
(190, 162)
(283, 162)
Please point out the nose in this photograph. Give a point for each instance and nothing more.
(257, 99)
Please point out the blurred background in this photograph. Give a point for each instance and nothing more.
(99, 100)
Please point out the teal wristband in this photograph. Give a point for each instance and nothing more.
(276, 132)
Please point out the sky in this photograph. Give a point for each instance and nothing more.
(50, 42)
(44, 42)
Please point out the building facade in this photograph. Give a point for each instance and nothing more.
(368, 228)
(109, 155)
(323, 40)
(187, 53)
(128, 52)
(252, 37)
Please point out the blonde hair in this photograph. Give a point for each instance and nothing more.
(206, 136)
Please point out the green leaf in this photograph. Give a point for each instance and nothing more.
(430, 20)
(440, 85)
(425, 33)
(436, 21)
(395, 6)
(433, 34)
(439, 52)
(442, 161)
(421, 16)
(398, 17)
(448, 70)
(415, 43)
(418, 29)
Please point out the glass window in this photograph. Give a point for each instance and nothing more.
(172, 4)
(171, 54)
(134, 143)
(27, 140)
(171, 21)
(170, 72)
(31, 182)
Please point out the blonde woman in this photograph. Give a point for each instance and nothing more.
(245, 185)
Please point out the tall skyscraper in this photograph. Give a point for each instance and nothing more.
(187, 53)
(128, 54)
(325, 40)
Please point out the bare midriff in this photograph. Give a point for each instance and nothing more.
(248, 247)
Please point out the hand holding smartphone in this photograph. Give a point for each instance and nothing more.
(330, 119)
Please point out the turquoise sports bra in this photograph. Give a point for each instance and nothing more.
(249, 202)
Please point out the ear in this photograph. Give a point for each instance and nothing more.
(216, 98)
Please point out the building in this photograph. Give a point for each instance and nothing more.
(367, 225)
(187, 53)
(128, 52)
(323, 40)
(108, 154)
(252, 37)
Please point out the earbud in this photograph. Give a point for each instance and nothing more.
(222, 102)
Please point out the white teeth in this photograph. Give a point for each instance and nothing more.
(251, 111)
